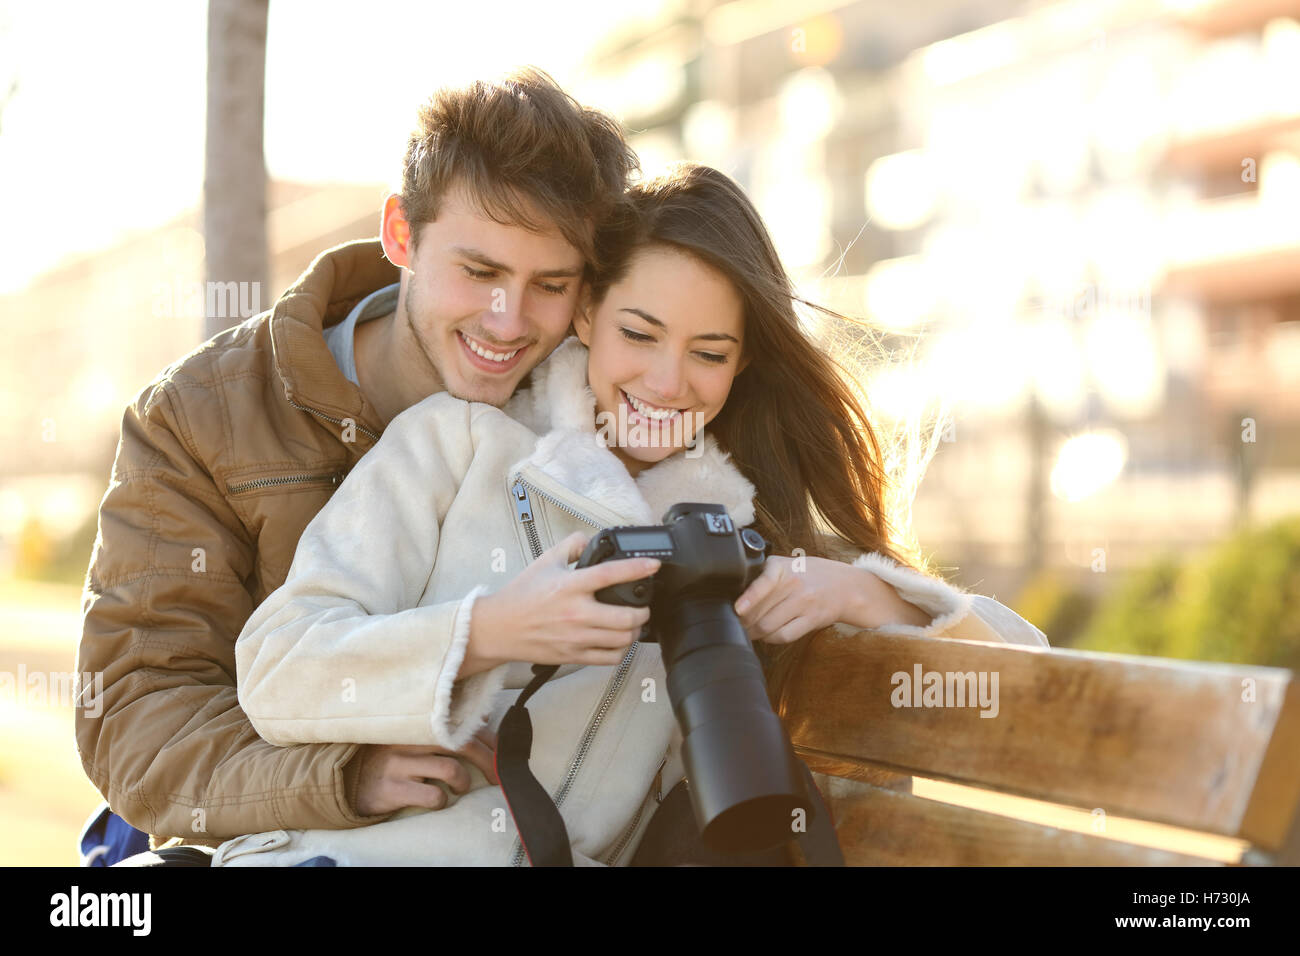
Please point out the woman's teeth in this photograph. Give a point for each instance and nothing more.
(490, 356)
(649, 411)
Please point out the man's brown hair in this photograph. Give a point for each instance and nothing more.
(515, 139)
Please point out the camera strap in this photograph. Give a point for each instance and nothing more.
(541, 829)
(542, 832)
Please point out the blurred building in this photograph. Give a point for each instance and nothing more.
(1085, 213)
(84, 339)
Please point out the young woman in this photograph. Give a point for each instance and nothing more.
(422, 593)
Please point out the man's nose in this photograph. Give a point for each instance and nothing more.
(505, 318)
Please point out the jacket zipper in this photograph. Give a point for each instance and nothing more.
(612, 857)
(524, 512)
(337, 421)
(333, 478)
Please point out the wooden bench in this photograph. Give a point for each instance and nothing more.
(1210, 748)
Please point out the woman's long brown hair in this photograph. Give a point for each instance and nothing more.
(791, 423)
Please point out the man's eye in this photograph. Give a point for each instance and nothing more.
(635, 336)
(478, 274)
(553, 289)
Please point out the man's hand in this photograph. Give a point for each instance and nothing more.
(395, 776)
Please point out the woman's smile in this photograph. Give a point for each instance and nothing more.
(655, 416)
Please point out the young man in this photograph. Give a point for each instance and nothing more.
(228, 455)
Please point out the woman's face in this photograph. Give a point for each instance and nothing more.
(665, 345)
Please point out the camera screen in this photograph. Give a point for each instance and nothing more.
(644, 541)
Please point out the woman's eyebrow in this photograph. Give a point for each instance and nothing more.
(710, 336)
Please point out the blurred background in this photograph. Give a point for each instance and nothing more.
(1081, 220)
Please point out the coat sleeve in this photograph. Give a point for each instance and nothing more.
(342, 651)
(954, 613)
(163, 737)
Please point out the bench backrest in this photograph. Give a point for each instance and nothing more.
(1213, 748)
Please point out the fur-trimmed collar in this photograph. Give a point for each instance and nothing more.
(560, 406)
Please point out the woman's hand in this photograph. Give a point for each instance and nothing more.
(549, 614)
(796, 596)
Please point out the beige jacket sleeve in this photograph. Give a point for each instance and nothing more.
(954, 613)
(166, 742)
(342, 651)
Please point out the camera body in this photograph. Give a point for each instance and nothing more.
(746, 783)
(700, 552)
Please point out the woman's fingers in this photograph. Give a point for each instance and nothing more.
(787, 608)
(607, 573)
(613, 617)
(567, 551)
(605, 656)
(793, 630)
(766, 591)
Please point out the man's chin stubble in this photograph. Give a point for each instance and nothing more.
(422, 348)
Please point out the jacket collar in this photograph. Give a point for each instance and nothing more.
(560, 406)
(322, 296)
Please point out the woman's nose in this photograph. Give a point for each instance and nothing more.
(665, 380)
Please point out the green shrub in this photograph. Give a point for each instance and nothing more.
(1242, 602)
(1239, 603)
(1056, 607)
(1134, 619)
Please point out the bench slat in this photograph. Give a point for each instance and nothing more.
(1147, 738)
(886, 828)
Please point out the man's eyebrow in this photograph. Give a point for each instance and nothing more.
(483, 259)
(710, 336)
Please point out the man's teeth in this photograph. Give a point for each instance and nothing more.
(490, 356)
(649, 411)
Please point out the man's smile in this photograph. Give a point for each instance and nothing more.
(488, 359)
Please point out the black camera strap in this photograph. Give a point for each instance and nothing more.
(542, 832)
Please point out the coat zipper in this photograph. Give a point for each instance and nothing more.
(333, 478)
(524, 512)
(337, 421)
(612, 857)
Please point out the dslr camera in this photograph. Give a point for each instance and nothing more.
(745, 780)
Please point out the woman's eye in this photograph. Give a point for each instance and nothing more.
(713, 357)
(477, 273)
(553, 289)
(635, 336)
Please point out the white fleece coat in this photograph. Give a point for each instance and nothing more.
(364, 640)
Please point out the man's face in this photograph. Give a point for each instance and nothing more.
(485, 302)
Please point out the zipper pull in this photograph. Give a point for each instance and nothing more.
(523, 506)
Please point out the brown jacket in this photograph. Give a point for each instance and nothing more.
(223, 461)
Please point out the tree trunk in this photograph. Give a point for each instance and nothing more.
(234, 181)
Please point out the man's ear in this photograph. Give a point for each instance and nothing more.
(582, 316)
(395, 232)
